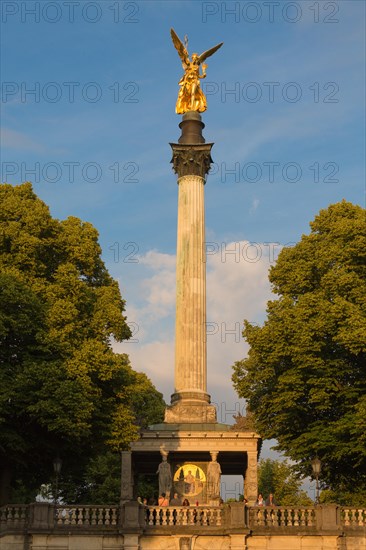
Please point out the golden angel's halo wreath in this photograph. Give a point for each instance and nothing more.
(190, 95)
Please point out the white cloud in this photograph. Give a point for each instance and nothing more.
(155, 359)
(237, 281)
(150, 295)
(237, 288)
(16, 140)
(160, 287)
(158, 260)
(255, 204)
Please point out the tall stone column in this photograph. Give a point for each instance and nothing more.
(191, 161)
(190, 344)
(126, 477)
(251, 478)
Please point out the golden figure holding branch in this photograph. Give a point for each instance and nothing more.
(190, 96)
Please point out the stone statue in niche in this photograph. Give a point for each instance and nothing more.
(165, 475)
(213, 477)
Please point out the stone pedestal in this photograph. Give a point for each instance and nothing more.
(190, 411)
(42, 515)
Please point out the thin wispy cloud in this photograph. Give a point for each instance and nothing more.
(18, 141)
(255, 204)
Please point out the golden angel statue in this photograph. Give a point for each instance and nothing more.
(190, 96)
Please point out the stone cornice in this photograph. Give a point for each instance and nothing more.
(194, 440)
(165, 434)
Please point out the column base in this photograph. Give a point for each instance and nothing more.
(190, 395)
(190, 408)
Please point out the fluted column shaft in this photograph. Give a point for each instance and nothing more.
(190, 337)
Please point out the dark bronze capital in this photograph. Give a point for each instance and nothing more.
(191, 160)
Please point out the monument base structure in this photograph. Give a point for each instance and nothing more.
(189, 448)
(190, 438)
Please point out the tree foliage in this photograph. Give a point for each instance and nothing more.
(305, 376)
(278, 477)
(63, 391)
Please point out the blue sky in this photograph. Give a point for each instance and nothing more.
(286, 111)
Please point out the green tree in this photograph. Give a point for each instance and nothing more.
(305, 377)
(63, 391)
(279, 478)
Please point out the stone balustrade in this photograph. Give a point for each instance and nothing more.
(86, 515)
(282, 519)
(184, 515)
(14, 516)
(353, 517)
(282, 516)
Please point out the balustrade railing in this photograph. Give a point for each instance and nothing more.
(183, 515)
(14, 516)
(284, 519)
(86, 515)
(282, 516)
(353, 517)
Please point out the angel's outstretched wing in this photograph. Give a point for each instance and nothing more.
(183, 54)
(207, 54)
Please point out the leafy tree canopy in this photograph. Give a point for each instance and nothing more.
(305, 376)
(62, 389)
(278, 477)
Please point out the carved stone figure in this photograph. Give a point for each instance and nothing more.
(213, 477)
(165, 476)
